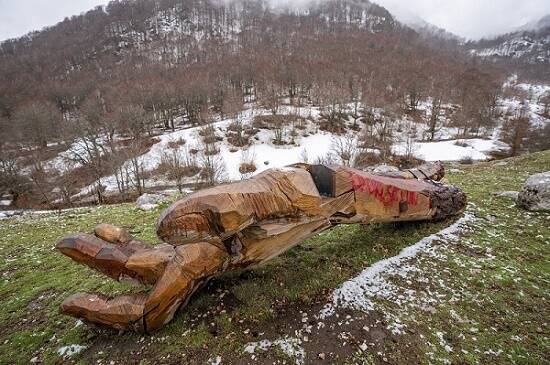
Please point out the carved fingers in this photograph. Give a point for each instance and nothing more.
(176, 273)
(122, 312)
(191, 267)
(115, 253)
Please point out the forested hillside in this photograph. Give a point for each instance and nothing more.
(82, 101)
(526, 50)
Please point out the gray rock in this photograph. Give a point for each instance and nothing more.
(149, 201)
(456, 171)
(535, 193)
(507, 194)
(384, 169)
(147, 207)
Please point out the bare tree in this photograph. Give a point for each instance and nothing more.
(180, 164)
(345, 148)
(213, 169)
(333, 114)
(88, 148)
(38, 123)
(12, 179)
(410, 136)
(516, 130)
(384, 137)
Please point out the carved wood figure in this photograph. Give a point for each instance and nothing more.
(240, 225)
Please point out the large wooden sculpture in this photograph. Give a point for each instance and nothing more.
(243, 224)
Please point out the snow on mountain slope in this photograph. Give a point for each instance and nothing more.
(172, 32)
(530, 44)
(524, 45)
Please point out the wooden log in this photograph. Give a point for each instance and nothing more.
(434, 171)
(241, 225)
(258, 250)
(385, 199)
(220, 212)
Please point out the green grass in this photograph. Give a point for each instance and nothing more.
(505, 297)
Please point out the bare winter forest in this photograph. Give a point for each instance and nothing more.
(178, 93)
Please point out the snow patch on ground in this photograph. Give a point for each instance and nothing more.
(215, 360)
(290, 346)
(454, 150)
(5, 214)
(359, 293)
(316, 144)
(70, 350)
(312, 144)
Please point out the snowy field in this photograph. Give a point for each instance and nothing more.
(311, 144)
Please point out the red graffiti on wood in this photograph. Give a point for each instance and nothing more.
(387, 194)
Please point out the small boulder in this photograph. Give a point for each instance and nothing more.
(384, 169)
(535, 193)
(149, 201)
(507, 194)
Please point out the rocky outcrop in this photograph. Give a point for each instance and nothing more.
(535, 193)
(149, 201)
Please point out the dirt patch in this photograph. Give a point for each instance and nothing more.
(34, 316)
(343, 336)
(333, 340)
(469, 250)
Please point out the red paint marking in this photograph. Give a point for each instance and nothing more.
(387, 194)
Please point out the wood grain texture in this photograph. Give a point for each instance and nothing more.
(243, 224)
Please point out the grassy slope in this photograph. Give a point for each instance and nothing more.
(504, 308)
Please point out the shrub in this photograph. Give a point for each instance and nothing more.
(365, 159)
(467, 160)
(247, 168)
(177, 143)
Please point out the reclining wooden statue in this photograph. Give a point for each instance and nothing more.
(243, 224)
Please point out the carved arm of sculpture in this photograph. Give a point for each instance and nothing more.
(239, 225)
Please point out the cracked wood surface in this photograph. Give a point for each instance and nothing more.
(239, 225)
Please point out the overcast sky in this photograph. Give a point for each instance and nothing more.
(467, 18)
(472, 18)
(18, 17)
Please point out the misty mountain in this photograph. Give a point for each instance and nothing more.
(536, 25)
(413, 20)
(175, 30)
(241, 42)
(530, 45)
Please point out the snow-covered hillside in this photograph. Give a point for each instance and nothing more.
(173, 32)
(530, 44)
(522, 45)
(308, 143)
